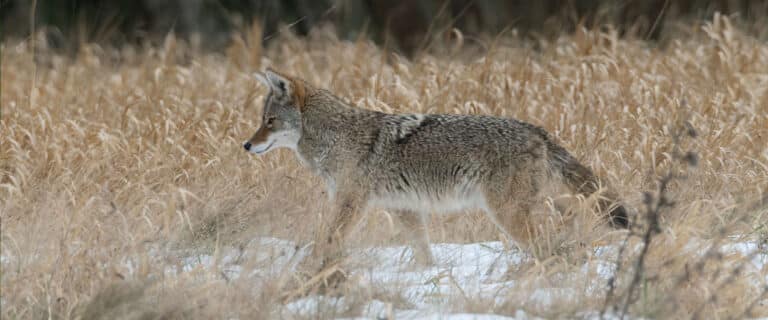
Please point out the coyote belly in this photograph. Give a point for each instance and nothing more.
(414, 164)
(426, 203)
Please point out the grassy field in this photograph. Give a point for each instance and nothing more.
(124, 189)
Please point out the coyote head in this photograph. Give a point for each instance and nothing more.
(281, 116)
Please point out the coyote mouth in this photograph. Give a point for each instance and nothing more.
(265, 149)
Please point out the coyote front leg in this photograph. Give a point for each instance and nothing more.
(330, 240)
(416, 230)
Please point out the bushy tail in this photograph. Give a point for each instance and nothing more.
(582, 181)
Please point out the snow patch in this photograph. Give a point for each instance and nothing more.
(462, 272)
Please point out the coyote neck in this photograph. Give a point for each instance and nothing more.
(330, 125)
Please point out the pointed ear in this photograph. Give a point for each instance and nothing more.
(262, 78)
(276, 82)
(279, 83)
(284, 88)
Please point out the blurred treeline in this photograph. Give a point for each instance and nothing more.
(402, 24)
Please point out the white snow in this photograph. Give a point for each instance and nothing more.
(463, 272)
(476, 271)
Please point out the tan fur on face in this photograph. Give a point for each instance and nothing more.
(299, 94)
(260, 136)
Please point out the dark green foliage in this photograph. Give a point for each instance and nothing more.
(403, 24)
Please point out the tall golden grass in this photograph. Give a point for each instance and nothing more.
(113, 159)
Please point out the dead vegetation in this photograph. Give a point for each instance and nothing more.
(114, 159)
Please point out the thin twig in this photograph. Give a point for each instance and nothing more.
(652, 216)
(297, 21)
(612, 279)
(654, 206)
(657, 20)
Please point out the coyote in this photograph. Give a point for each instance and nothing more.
(416, 164)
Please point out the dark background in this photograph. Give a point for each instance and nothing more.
(402, 24)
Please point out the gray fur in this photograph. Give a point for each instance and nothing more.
(418, 164)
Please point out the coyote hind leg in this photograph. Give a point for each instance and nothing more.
(510, 203)
(513, 218)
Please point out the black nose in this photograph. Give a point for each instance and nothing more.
(247, 146)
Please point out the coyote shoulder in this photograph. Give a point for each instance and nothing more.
(416, 164)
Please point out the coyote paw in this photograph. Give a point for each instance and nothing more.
(329, 279)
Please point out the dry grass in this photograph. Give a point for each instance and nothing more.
(115, 163)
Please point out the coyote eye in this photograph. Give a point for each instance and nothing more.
(270, 122)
